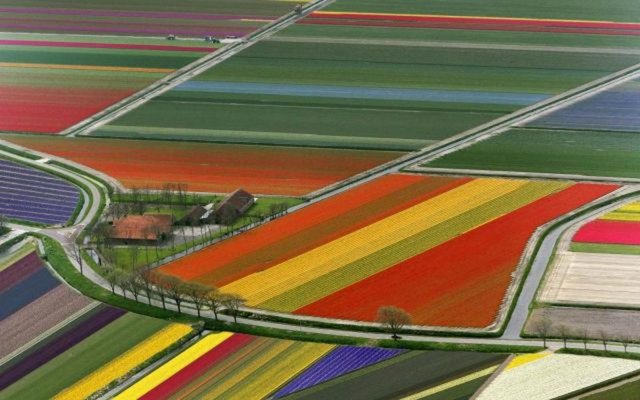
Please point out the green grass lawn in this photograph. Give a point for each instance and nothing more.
(84, 358)
(611, 154)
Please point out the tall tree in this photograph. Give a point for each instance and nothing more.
(542, 328)
(233, 302)
(197, 293)
(393, 319)
(214, 301)
(175, 290)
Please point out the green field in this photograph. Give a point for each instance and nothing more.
(487, 38)
(609, 154)
(605, 248)
(358, 122)
(614, 10)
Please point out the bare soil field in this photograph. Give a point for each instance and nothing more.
(592, 278)
(614, 323)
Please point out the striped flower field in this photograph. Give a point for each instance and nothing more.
(50, 84)
(59, 344)
(232, 366)
(406, 238)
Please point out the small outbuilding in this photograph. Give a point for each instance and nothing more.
(146, 228)
(232, 207)
(194, 216)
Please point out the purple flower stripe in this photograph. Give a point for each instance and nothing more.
(19, 271)
(59, 345)
(33, 195)
(341, 361)
(612, 110)
(13, 299)
(128, 14)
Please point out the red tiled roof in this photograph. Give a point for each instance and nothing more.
(141, 227)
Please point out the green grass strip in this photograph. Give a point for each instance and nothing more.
(605, 248)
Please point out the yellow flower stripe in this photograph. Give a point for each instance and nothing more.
(176, 364)
(85, 67)
(425, 240)
(279, 367)
(235, 369)
(451, 384)
(523, 359)
(328, 13)
(629, 212)
(124, 363)
(262, 286)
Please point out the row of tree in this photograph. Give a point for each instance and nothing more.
(144, 282)
(544, 328)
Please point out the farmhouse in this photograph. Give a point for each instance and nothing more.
(142, 228)
(232, 207)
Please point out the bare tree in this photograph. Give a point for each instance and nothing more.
(393, 319)
(233, 302)
(564, 332)
(542, 327)
(134, 252)
(583, 334)
(197, 293)
(175, 290)
(3, 222)
(160, 288)
(624, 339)
(146, 283)
(111, 276)
(134, 284)
(214, 301)
(604, 337)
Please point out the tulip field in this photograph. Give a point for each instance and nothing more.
(317, 262)
(189, 18)
(600, 266)
(354, 78)
(50, 84)
(550, 376)
(29, 194)
(208, 167)
(596, 136)
(60, 344)
(230, 366)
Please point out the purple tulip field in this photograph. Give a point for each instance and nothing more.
(32, 195)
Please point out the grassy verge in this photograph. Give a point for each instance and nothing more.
(601, 353)
(10, 243)
(19, 152)
(55, 255)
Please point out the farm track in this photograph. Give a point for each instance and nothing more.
(457, 45)
(185, 73)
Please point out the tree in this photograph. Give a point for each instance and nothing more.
(393, 319)
(543, 327)
(564, 332)
(161, 288)
(197, 293)
(583, 334)
(111, 276)
(233, 302)
(214, 301)
(175, 290)
(146, 283)
(133, 284)
(3, 223)
(604, 337)
(624, 339)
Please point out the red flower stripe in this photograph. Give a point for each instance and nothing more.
(609, 232)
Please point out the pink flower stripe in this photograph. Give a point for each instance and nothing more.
(86, 45)
(609, 232)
